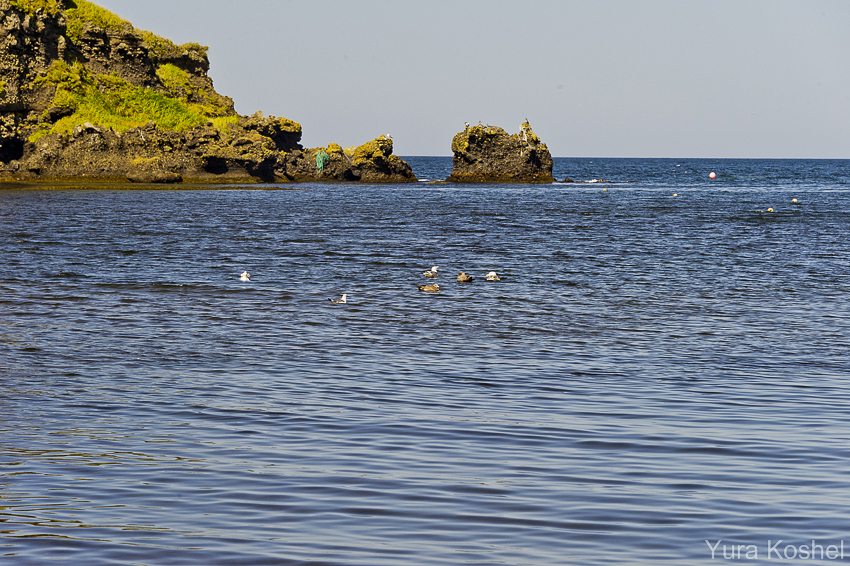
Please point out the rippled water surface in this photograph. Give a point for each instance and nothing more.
(652, 371)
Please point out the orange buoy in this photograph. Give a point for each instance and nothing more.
(712, 175)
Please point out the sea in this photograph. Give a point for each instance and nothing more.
(660, 376)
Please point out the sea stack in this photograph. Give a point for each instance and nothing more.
(488, 154)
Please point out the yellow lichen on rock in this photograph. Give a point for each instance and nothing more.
(287, 125)
(376, 149)
(529, 136)
(488, 154)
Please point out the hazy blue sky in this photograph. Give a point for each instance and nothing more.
(602, 78)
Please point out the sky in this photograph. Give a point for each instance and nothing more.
(600, 78)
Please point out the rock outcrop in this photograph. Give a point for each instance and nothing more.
(372, 162)
(150, 154)
(488, 154)
(58, 62)
(257, 149)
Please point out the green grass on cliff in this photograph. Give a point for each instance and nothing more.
(80, 12)
(111, 102)
(77, 14)
(179, 85)
(31, 6)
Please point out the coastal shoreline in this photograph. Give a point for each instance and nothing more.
(87, 98)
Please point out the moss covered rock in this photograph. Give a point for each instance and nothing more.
(83, 94)
(149, 154)
(285, 133)
(372, 162)
(488, 154)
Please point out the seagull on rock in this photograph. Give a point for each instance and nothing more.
(464, 278)
(430, 288)
(432, 273)
(342, 300)
(245, 276)
(492, 276)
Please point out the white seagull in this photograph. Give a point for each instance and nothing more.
(245, 276)
(432, 273)
(341, 300)
(492, 276)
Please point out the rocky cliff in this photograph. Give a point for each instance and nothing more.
(488, 154)
(83, 94)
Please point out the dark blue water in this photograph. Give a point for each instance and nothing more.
(652, 371)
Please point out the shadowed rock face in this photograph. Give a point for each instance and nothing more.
(151, 155)
(28, 45)
(488, 154)
(205, 154)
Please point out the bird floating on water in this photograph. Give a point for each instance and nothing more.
(432, 273)
(341, 300)
(492, 276)
(245, 276)
(464, 278)
(430, 288)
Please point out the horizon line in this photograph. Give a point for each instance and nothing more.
(674, 158)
